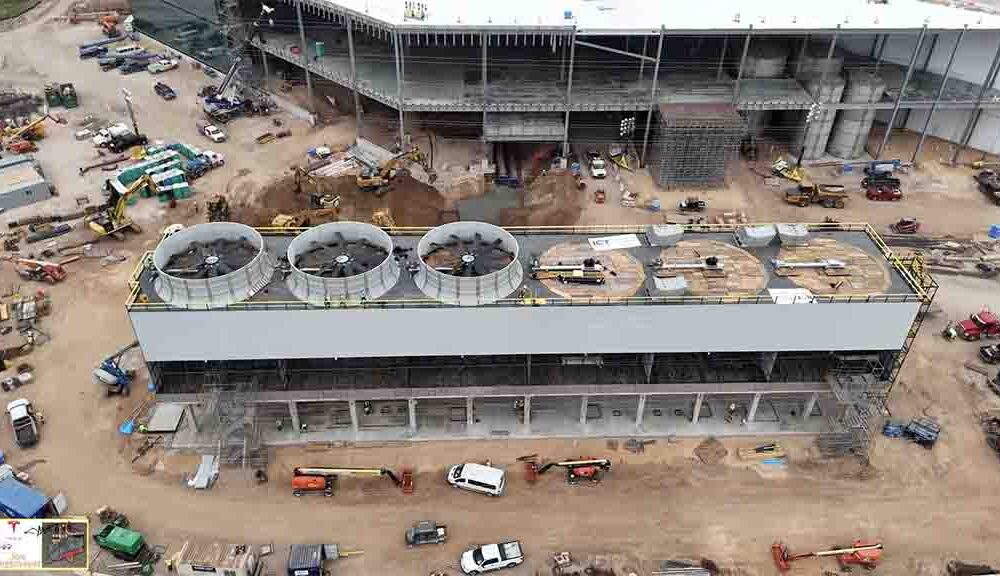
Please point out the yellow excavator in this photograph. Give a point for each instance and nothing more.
(113, 221)
(21, 140)
(378, 178)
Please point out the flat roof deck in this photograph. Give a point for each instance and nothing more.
(535, 242)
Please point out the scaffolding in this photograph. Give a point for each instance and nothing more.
(694, 144)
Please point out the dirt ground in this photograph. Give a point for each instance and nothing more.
(927, 506)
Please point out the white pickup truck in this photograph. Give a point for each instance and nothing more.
(490, 557)
(23, 422)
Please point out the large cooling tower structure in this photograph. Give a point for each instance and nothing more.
(211, 265)
(468, 263)
(341, 261)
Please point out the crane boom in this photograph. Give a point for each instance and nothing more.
(371, 472)
(265, 10)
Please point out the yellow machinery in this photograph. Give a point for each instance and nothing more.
(782, 168)
(380, 177)
(113, 221)
(32, 130)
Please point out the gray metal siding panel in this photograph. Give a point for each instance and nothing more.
(242, 335)
(19, 196)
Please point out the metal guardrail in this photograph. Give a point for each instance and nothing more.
(905, 269)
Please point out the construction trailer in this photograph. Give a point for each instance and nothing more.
(805, 77)
(444, 333)
(22, 182)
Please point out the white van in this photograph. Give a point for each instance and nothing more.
(477, 478)
(128, 49)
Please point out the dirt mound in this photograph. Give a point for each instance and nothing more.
(551, 200)
(410, 202)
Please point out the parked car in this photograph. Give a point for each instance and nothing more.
(212, 132)
(23, 422)
(161, 66)
(426, 532)
(110, 62)
(214, 159)
(131, 67)
(598, 169)
(164, 91)
(93, 52)
(490, 557)
(990, 354)
(978, 325)
(477, 478)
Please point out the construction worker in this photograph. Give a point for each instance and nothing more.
(731, 411)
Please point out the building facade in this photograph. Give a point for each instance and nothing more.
(680, 330)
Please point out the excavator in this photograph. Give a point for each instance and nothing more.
(323, 480)
(113, 221)
(376, 179)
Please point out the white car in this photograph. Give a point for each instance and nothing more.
(214, 159)
(598, 169)
(22, 420)
(213, 133)
(490, 557)
(161, 66)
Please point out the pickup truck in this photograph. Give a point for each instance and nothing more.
(982, 323)
(490, 557)
(22, 420)
(426, 532)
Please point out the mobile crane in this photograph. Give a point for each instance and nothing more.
(375, 179)
(323, 480)
(113, 221)
(216, 104)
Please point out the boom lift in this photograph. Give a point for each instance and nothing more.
(861, 553)
(113, 221)
(582, 469)
(217, 105)
(111, 374)
(39, 270)
(323, 480)
(20, 140)
(375, 179)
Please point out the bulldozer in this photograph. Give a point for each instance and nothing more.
(306, 218)
(376, 179)
(113, 220)
(826, 195)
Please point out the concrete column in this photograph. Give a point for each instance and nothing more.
(562, 63)
(569, 91)
(940, 92)
(584, 403)
(829, 56)
(191, 417)
(305, 56)
(970, 127)
(802, 54)
(752, 414)
(469, 416)
(722, 58)
(354, 72)
(640, 409)
(267, 74)
(485, 40)
(642, 61)
(881, 51)
(647, 364)
(412, 405)
(355, 425)
(810, 404)
(697, 408)
(527, 413)
(743, 61)
(399, 87)
(902, 92)
(293, 411)
(652, 98)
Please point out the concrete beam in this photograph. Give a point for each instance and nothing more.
(267, 74)
(970, 127)
(527, 413)
(667, 389)
(752, 414)
(640, 409)
(940, 92)
(697, 408)
(293, 411)
(810, 405)
(305, 57)
(352, 405)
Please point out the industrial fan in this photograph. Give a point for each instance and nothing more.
(211, 259)
(469, 256)
(341, 257)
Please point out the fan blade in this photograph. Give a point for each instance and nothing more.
(454, 240)
(479, 238)
(479, 267)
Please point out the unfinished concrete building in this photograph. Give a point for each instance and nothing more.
(468, 330)
(809, 77)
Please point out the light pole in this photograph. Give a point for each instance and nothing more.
(131, 113)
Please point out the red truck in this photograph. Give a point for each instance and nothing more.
(982, 323)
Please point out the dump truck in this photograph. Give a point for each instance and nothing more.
(826, 195)
(122, 542)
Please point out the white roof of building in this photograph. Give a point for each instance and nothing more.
(618, 16)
